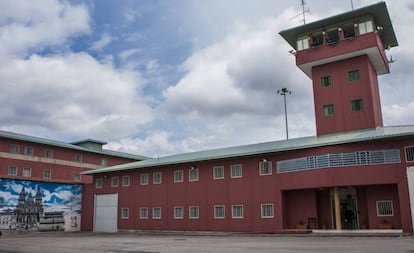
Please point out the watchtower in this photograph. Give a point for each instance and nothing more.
(343, 55)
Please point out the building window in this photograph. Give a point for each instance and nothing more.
(114, 181)
(156, 213)
(28, 150)
(178, 212)
(12, 171)
(178, 176)
(77, 177)
(218, 172)
(328, 110)
(193, 174)
(385, 208)
(326, 81)
(332, 36)
(47, 173)
(125, 180)
(156, 178)
(193, 212)
(357, 105)
(27, 172)
(353, 75)
(365, 27)
(219, 212)
(104, 162)
(143, 213)
(267, 210)
(237, 211)
(48, 153)
(78, 158)
(144, 179)
(236, 171)
(409, 154)
(265, 168)
(14, 148)
(125, 213)
(349, 30)
(302, 43)
(317, 39)
(99, 183)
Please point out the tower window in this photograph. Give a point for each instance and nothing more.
(365, 27)
(349, 30)
(326, 81)
(357, 105)
(354, 75)
(302, 43)
(317, 39)
(332, 36)
(328, 110)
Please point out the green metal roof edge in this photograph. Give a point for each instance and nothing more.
(378, 10)
(265, 148)
(33, 139)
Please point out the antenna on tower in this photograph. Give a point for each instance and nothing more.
(303, 12)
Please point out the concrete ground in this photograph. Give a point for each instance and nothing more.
(139, 243)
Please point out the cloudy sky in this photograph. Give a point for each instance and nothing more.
(158, 77)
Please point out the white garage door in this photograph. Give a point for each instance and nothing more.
(106, 213)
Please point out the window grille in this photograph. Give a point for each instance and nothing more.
(385, 208)
(409, 154)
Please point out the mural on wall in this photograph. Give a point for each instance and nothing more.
(39, 206)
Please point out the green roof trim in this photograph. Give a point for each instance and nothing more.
(266, 148)
(27, 138)
(378, 11)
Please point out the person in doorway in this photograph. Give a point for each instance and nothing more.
(349, 218)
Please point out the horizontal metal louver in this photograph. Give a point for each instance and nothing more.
(339, 160)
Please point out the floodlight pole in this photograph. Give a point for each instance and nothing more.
(284, 92)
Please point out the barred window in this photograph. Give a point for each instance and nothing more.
(265, 168)
(114, 181)
(409, 154)
(193, 212)
(219, 212)
(156, 212)
(125, 180)
(267, 211)
(124, 213)
(143, 179)
(218, 172)
(326, 81)
(143, 213)
(357, 105)
(237, 211)
(99, 183)
(236, 171)
(385, 208)
(328, 110)
(178, 212)
(178, 176)
(353, 75)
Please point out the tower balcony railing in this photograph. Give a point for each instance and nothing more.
(357, 158)
(367, 44)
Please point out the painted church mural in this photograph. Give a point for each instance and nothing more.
(39, 206)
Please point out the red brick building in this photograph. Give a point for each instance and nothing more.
(355, 174)
(32, 158)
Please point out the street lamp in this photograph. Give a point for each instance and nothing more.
(284, 92)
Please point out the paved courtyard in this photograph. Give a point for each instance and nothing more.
(134, 243)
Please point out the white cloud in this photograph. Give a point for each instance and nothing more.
(36, 24)
(125, 54)
(105, 40)
(73, 94)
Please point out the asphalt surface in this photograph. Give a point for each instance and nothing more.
(137, 243)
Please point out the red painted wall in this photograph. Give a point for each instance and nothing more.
(295, 195)
(59, 172)
(342, 92)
